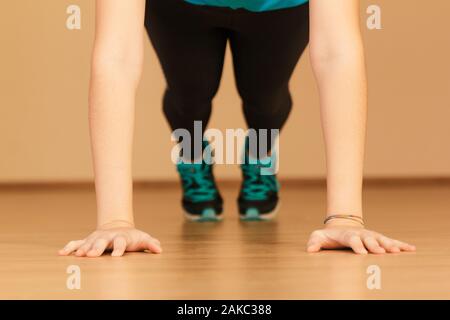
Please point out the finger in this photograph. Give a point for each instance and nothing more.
(120, 245)
(372, 245)
(314, 244)
(357, 245)
(404, 246)
(83, 250)
(388, 244)
(151, 245)
(70, 247)
(98, 248)
(313, 247)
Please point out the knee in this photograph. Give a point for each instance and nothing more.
(267, 102)
(193, 104)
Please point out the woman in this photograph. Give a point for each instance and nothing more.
(267, 38)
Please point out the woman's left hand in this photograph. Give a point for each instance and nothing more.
(349, 235)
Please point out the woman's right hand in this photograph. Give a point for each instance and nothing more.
(118, 239)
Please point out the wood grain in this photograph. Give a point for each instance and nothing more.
(225, 260)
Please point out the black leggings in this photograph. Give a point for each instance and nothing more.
(190, 42)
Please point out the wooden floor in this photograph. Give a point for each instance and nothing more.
(225, 260)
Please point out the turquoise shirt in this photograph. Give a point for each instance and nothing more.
(252, 5)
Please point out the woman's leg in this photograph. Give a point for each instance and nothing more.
(266, 48)
(190, 43)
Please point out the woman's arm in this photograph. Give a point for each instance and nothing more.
(337, 57)
(115, 73)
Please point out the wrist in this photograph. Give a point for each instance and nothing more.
(344, 219)
(115, 224)
(344, 223)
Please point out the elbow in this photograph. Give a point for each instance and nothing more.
(325, 57)
(117, 64)
(114, 77)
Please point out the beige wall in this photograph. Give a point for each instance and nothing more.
(44, 71)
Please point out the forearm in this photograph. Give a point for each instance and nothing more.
(111, 114)
(343, 94)
(115, 73)
(343, 97)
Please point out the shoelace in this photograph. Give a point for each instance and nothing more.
(257, 186)
(198, 184)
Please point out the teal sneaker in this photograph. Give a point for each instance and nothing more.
(258, 197)
(201, 199)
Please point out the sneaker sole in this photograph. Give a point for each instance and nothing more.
(253, 214)
(208, 215)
